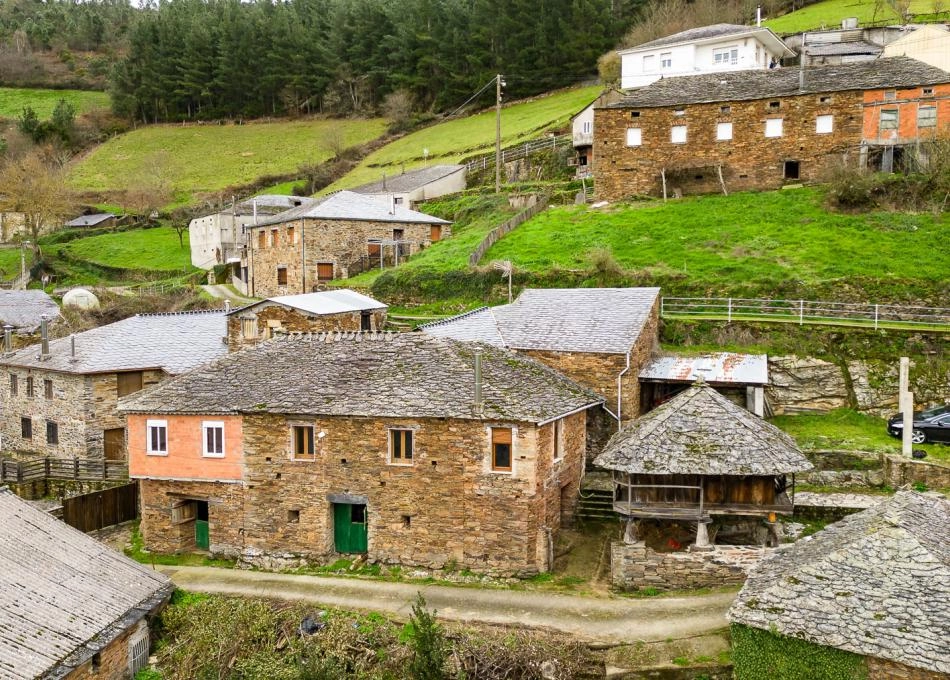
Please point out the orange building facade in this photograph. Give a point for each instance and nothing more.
(201, 448)
(897, 121)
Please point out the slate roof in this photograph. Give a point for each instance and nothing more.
(889, 72)
(326, 302)
(595, 320)
(23, 309)
(89, 220)
(174, 343)
(409, 181)
(695, 34)
(347, 205)
(65, 594)
(700, 432)
(269, 204)
(368, 374)
(876, 583)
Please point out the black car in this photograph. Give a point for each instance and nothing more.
(932, 425)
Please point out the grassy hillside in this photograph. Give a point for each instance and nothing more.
(14, 99)
(207, 158)
(155, 249)
(450, 141)
(829, 14)
(9, 263)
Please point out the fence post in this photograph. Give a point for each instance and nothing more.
(729, 312)
(875, 317)
(801, 312)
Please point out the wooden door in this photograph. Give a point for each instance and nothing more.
(435, 232)
(349, 528)
(113, 443)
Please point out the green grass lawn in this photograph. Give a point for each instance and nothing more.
(848, 429)
(829, 14)
(450, 141)
(763, 239)
(152, 249)
(14, 99)
(9, 263)
(207, 158)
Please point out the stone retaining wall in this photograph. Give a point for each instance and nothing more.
(634, 566)
(899, 471)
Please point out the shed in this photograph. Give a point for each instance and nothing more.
(739, 377)
(94, 220)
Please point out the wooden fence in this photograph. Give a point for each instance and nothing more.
(100, 509)
(541, 202)
(78, 469)
(518, 151)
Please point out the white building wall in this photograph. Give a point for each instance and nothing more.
(582, 127)
(212, 235)
(930, 45)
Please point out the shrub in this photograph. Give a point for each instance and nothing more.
(427, 640)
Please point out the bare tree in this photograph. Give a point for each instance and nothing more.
(38, 191)
(151, 188)
(334, 141)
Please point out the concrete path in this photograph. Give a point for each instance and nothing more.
(223, 292)
(612, 619)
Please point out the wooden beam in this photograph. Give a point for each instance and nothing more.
(663, 177)
(722, 183)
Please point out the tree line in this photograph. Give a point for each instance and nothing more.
(207, 59)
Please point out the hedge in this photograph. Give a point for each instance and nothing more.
(762, 655)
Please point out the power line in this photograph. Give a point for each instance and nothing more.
(472, 98)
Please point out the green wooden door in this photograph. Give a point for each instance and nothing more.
(202, 538)
(349, 528)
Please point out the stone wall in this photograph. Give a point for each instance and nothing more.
(900, 471)
(267, 316)
(337, 242)
(749, 160)
(634, 566)
(102, 407)
(883, 669)
(113, 660)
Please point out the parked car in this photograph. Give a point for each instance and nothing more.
(932, 425)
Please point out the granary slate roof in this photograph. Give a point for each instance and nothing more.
(24, 309)
(696, 34)
(368, 374)
(325, 302)
(347, 205)
(596, 320)
(65, 594)
(876, 583)
(700, 432)
(409, 181)
(89, 220)
(890, 72)
(175, 343)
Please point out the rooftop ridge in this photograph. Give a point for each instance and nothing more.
(184, 312)
(450, 319)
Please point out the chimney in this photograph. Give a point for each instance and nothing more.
(227, 306)
(72, 348)
(254, 207)
(8, 338)
(758, 15)
(44, 337)
(478, 382)
(392, 204)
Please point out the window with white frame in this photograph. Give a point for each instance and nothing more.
(824, 125)
(648, 63)
(773, 127)
(634, 136)
(678, 134)
(888, 119)
(558, 437)
(927, 116)
(726, 56)
(666, 60)
(588, 126)
(213, 435)
(723, 131)
(156, 437)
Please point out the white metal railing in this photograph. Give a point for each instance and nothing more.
(518, 151)
(807, 311)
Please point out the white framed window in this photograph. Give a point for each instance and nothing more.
(726, 56)
(666, 60)
(634, 136)
(212, 434)
(723, 131)
(401, 446)
(825, 125)
(889, 119)
(588, 126)
(648, 63)
(558, 437)
(678, 134)
(927, 116)
(773, 127)
(156, 432)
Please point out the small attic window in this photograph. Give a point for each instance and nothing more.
(634, 114)
(928, 92)
(825, 100)
(775, 105)
(890, 95)
(725, 110)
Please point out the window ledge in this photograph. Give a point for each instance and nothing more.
(510, 473)
(156, 453)
(212, 455)
(397, 464)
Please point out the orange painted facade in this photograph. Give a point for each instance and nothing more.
(185, 459)
(907, 103)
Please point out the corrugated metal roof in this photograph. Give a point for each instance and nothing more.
(723, 368)
(63, 594)
(325, 302)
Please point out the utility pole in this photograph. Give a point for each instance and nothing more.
(499, 83)
(905, 402)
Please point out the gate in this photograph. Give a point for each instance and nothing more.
(100, 509)
(349, 528)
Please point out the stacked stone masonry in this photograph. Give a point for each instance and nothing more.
(112, 662)
(634, 566)
(270, 319)
(884, 669)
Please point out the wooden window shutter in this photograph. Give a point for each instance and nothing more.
(501, 435)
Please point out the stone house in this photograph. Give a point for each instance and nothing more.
(80, 610)
(708, 49)
(58, 398)
(407, 448)
(758, 130)
(331, 238)
(873, 585)
(331, 310)
(600, 337)
(408, 189)
(701, 460)
(23, 310)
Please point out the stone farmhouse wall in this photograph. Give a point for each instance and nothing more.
(113, 659)
(269, 317)
(82, 406)
(883, 669)
(447, 507)
(750, 160)
(634, 566)
(337, 242)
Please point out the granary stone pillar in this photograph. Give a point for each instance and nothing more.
(631, 533)
(702, 535)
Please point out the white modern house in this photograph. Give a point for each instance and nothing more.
(929, 44)
(708, 49)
